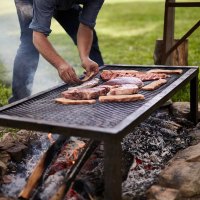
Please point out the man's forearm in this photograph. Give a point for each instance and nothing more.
(46, 49)
(84, 41)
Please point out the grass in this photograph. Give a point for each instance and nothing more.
(5, 91)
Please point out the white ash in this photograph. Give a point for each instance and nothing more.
(52, 184)
(152, 144)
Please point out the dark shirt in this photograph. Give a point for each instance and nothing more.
(43, 11)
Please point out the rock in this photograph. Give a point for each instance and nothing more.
(25, 136)
(195, 134)
(3, 168)
(8, 137)
(198, 126)
(4, 157)
(6, 145)
(182, 109)
(183, 176)
(7, 179)
(161, 193)
(17, 151)
(190, 154)
(167, 103)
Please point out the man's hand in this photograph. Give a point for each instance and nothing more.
(65, 71)
(90, 66)
(68, 74)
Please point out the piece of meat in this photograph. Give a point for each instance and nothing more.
(74, 102)
(155, 84)
(144, 76)
(121, 98)
(84, 93)
(88, 84)
(166, 71)
(110, 74)
(125, 80)
(108, 87)
(124, 90)
(87, 78)
(151, 76)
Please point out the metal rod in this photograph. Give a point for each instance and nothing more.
(35, 178)
(89, 149)
(112, 169)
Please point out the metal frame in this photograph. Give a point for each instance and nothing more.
(112, 137)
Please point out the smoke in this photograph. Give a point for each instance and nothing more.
(46, 76)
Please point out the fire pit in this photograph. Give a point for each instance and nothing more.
(108, 122)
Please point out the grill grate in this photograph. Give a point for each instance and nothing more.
(103, 115)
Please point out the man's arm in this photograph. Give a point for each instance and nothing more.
(84, 43)
(66, 72)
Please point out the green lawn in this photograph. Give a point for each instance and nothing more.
(127, 31)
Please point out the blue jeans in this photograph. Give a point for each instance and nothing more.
(27, 57)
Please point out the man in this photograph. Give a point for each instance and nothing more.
(26, 60)
(43, 13)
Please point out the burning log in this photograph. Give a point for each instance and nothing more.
(36, 176)
(63, 189)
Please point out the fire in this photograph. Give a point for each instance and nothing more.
(50, 138)
(73, 153)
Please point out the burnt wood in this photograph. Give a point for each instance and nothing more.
(38, 172)
(70, 177)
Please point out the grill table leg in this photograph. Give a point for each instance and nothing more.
(194, 99)
(112, 169)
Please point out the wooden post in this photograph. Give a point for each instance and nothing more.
(168, 33)
(179, 55)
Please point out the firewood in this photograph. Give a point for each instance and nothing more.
(41, 166)
(63, 189)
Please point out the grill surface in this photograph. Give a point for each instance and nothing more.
(42, 108)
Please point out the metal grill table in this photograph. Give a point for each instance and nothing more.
(108, 122)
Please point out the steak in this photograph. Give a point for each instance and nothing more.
(121, 98)
(74, 102)
(155, 84)
(124, 80)
(88, 84)
(110, 74)
(166, 71)
(144, 76)
(124, 90)
(84, 93)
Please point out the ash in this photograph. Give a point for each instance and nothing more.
(151, 145)
(145, 152)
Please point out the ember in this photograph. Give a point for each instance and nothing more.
(50, 138)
